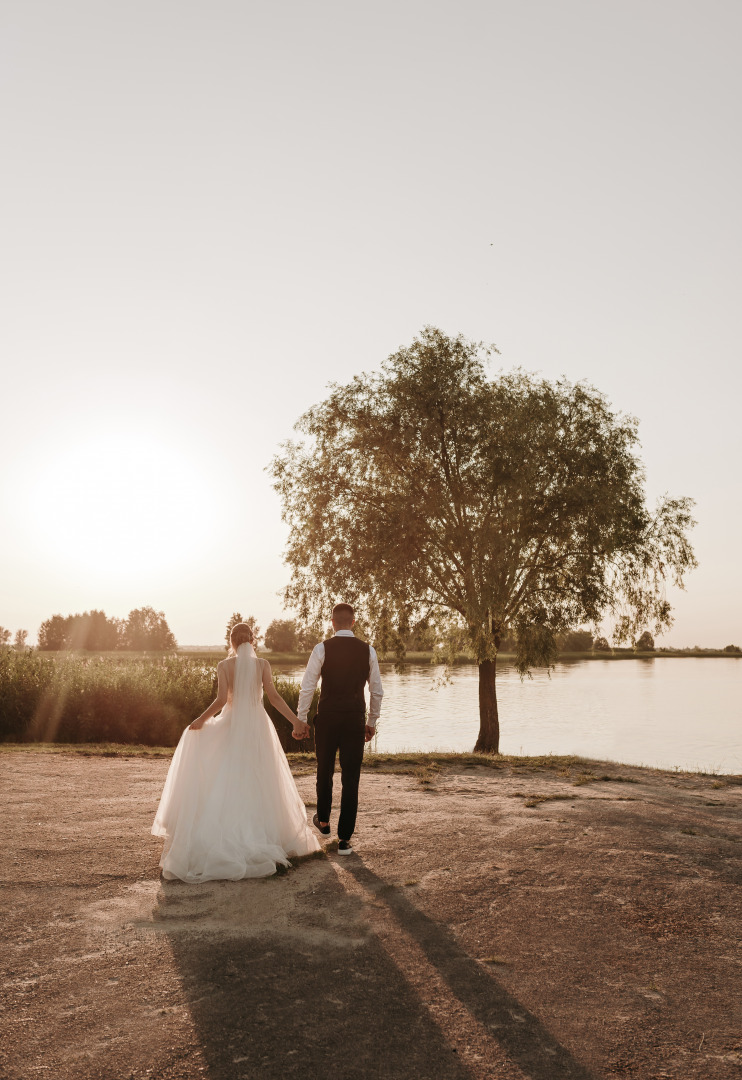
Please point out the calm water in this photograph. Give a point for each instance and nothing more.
(667, 712)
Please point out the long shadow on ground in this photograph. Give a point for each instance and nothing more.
(326, 998)
(299, 1005)
(525, 1040)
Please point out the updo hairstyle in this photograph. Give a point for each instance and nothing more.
(240, 633)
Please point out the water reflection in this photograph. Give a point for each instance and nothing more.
(666, 712)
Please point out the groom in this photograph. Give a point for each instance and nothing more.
(345, 665)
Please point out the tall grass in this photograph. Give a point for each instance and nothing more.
(80, 699)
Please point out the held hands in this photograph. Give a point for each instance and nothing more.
(301, 730)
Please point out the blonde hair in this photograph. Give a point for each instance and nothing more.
(240, 633)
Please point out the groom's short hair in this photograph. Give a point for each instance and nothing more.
(343, 616)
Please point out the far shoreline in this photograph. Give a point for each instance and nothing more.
(463, 659)
(214, 653)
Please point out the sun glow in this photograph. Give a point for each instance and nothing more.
(122, 506)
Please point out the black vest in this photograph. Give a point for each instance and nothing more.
(344, 674)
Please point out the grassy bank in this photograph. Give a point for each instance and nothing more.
(423, 765)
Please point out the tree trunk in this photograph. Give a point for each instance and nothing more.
(488, 741)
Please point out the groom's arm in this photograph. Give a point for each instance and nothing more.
(310, 680)
(375, 691)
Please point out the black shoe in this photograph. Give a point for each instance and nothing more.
(323, 829)
(344, 847)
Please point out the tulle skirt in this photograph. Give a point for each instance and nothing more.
(230, 808)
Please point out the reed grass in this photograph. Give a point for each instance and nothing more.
(140, 700)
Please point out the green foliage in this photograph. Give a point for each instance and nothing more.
(144, 629)
(309, 636)
(281, 636)
(92, 630)
(113, 699)
(601, 644)
(53, 633)
(97, 699)
(645, 642)
(515, 504)
(575, 641)
(289, 636)
(289, 691)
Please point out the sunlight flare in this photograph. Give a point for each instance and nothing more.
(121, 505)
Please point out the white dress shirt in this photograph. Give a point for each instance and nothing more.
(314, 671)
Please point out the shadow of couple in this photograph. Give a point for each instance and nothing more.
(330, 971)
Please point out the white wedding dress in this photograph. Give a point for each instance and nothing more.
(230, 808)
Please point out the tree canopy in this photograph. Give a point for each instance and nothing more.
(143, 629)
(515, 505)
(281, 636)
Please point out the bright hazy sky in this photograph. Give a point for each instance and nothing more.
(213, 209)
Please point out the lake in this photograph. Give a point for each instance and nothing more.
(665, 712)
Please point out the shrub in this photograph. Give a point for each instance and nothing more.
(645, 643)
(289, 691)
(732, 648)
(601, 645)
(576, 641)
(281, 636)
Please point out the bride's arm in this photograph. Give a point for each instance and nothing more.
(219, 701)
(301, 731)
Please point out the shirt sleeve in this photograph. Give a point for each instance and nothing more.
(310, 680)
(374, 686)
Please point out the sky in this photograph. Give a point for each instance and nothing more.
(211, 211)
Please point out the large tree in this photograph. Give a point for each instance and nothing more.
(511, 505)
(147, 629)
(91, 630)
(281, 636)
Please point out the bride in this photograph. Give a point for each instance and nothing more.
(230, 808)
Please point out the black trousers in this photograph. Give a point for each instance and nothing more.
(344, 732)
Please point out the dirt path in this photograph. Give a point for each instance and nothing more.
(595, 934)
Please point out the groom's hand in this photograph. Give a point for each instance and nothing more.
(301, 731)
(370, 732)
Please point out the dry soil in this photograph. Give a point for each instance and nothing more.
(593, 933)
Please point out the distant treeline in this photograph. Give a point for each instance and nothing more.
(147, 630)
(289, 636)
(144, 629)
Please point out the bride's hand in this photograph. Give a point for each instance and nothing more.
(301, 731)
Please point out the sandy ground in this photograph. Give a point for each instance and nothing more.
(594, 934)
